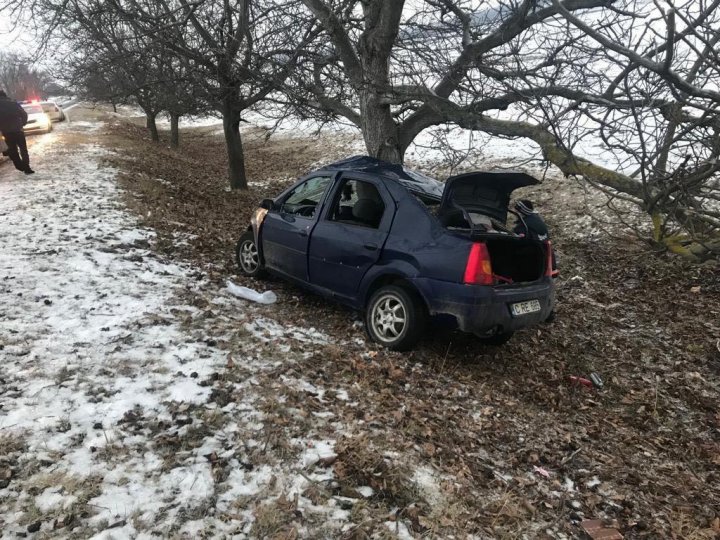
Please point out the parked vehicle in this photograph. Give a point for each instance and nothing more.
(53, 110)
(405, 249)
(38, 121)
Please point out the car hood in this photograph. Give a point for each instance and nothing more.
(483, 192)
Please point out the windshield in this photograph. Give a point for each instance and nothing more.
(32, 109)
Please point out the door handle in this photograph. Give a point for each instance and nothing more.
(371, 247)
(303, 232)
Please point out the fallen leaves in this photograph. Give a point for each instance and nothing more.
(478, 416)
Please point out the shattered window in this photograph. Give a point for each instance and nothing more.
(303, 200)
(358, 203)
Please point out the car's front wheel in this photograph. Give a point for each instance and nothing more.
(247, 255)
(395, 318)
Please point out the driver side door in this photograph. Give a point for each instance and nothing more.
(286, 230)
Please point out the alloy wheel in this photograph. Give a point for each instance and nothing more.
(249, 259)
(389, 317)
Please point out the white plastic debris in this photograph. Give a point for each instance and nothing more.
(268, 297)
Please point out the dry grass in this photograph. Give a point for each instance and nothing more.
(360, 463)
(273, 520)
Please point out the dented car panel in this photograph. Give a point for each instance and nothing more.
(479, 309)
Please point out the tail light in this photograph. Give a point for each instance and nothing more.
(478, 270)
(549, 270)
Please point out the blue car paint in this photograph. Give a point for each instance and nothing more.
(345, 262)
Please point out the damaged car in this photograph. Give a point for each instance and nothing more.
(406, 249)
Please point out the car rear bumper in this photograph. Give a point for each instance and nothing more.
(483, 309)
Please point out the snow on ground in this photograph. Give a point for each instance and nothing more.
(108, 416)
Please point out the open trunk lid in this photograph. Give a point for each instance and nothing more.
(486, 193)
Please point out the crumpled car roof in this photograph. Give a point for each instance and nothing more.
(412, 180)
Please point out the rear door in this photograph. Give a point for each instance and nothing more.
(286, 230)
(350, 235)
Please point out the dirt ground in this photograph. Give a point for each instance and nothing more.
(513, 448)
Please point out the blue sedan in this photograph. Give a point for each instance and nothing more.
(405, 249)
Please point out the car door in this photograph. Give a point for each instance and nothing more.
(350, 235)
(287, 227)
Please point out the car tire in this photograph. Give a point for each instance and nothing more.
(395, 318)
(247, 256)
(498, 339)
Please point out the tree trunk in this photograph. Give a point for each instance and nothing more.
(152, 126)
(174, 130)
(114, 105)
(236, 158)
(379, 129)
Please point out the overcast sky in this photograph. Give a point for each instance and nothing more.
(12, 40)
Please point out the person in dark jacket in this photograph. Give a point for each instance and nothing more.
(12, 119)
(529, 222)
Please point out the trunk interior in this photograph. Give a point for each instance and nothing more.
(517, 260)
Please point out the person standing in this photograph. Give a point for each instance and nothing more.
(12, 119)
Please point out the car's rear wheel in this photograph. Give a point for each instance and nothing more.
(395, 318)
(501, 338)
(247, 255)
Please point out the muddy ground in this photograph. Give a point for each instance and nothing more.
(516, 449)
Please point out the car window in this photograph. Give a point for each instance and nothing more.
(304, 199)
(358, 203)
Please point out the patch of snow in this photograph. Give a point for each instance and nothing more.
(593, 482)
(191, 121)
(51, 498)
(105, 357)
(271, 330)
(428, 482)
(316, 451)
(365, 491)
(87, 126)
(400, 530)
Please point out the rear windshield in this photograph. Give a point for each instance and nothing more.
(32, 109)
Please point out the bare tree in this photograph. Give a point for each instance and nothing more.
(560, 73)
(19, 78)
(239, 51)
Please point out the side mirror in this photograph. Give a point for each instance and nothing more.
(268, 204)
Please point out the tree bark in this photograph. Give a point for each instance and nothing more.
(174, 130)
(233, 141)
(152, 126)
(379, 128)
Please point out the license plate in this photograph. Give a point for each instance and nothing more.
(523, 308)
